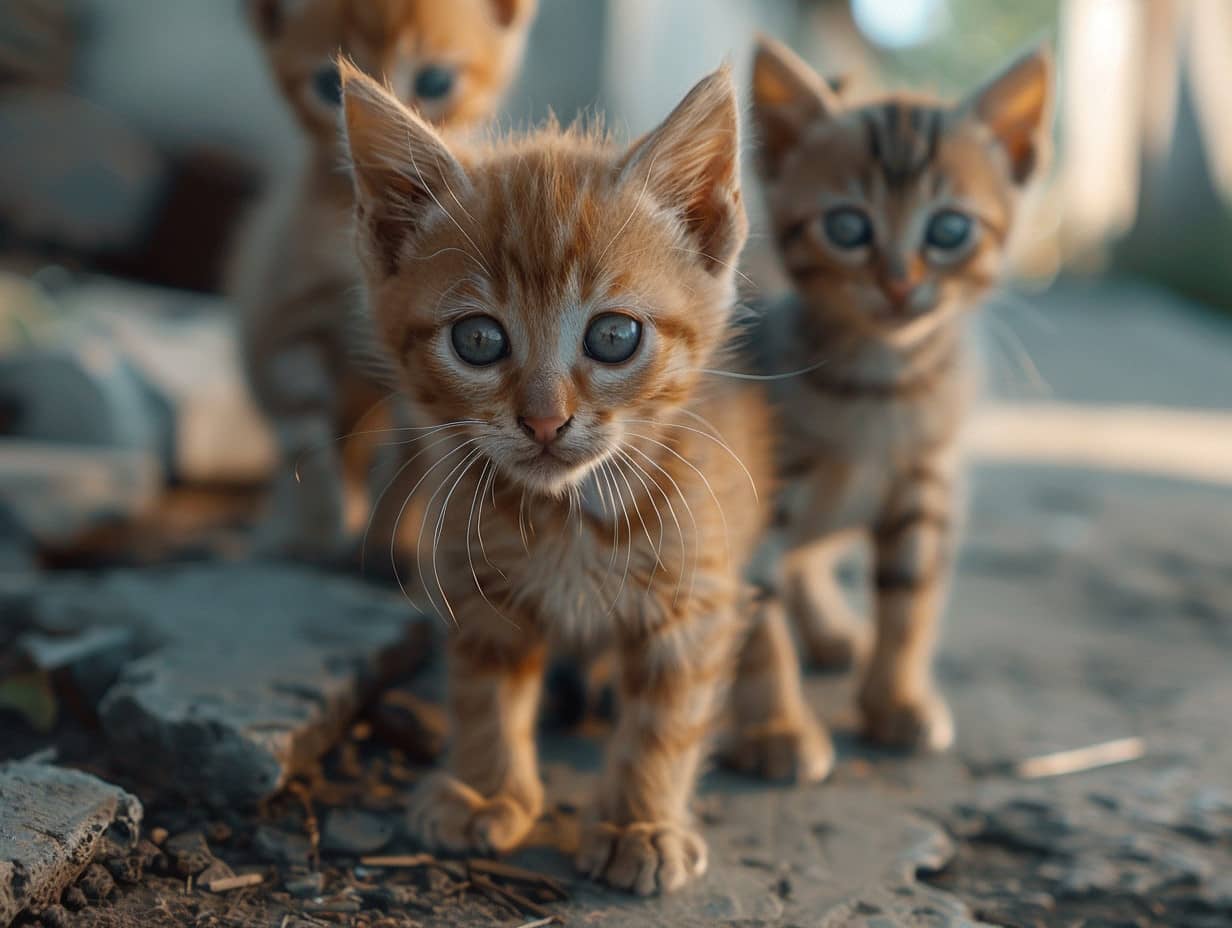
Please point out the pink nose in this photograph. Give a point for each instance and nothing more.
(544, 429)
(900, 290)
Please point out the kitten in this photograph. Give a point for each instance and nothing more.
(892, 219)
(553, 303)
(295, 276)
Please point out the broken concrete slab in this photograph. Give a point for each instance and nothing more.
(239, 675)
(51, 822)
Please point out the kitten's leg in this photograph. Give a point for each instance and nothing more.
(671, 678)
(832, 636)
(296, 386)
(776, 734)
(489, 795)
(912, 542)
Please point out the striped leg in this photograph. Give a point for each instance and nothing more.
(489, 796)
(776, 734)
(832, 636)
(912, 543)
(670, 683)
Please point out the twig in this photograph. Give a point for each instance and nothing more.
(399, 861)
(227, 883)
(1077, 760)
(523, 905)
(503, 871)
(543, 922)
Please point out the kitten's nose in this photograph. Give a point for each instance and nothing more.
(544, 429)
(900, 290)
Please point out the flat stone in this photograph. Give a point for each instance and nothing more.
(352, 831)
(239, 675)
(51, 822)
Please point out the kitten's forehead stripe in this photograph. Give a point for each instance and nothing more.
(902, 140)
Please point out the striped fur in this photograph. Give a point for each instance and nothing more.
(294, 274)
(629, 529)
(868, 435)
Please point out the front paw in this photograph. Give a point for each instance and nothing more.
(919, 723)
(796, 750)
(643, 857)
(446, 814)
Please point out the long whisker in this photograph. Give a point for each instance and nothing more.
(709, 488)
(1018, 352)
(738, 375)
(418, 543)
(643, 475)
(608, 466)
(688, 511)
(657, 548)
(467, 462)
(363, 547)
(714, 438)
(731, 267)
(522, 523)
(479, 522)
(477, 256)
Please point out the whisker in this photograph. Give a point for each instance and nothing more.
(464, 465)
(738, 375)
(418, 546)
(607, 465)
(688, 511)
(718, 441)
(477, 256)
(479, 522)
(638, 509)
(1018, 352)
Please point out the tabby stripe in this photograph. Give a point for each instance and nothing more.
(855, 389)
(892, 529)
(900, 580)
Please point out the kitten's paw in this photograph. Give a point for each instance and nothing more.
(448, 815)
(922, 723)
(798, 750)
(643, 858)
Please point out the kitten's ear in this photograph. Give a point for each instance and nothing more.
(402, 168)
(1016, 105)
(691, 165)
(788, 97)
(513, 12)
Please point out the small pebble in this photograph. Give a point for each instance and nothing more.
(306, 886)
(351, 831)
(74, 899)
(158, 835)
(96, 883)
(125, 869)
(189, 853)
(215, 871)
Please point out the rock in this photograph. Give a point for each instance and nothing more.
(280, 847)
(189, 853)
(55, 916)
(96, 883)
(416, 726)
(248, 673)
(215, 871)
(51, 823)
(352, 831)
(306, 886)
(74, 899)
(125, 869)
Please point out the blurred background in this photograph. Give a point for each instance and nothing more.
(134, 136)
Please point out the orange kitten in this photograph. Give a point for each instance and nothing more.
(551, 303)
(296, 277)
(892, 218)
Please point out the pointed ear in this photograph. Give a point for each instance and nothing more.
(403, 170)
(788, 97)
(1016, 106)
(691, 165)
(513, 12)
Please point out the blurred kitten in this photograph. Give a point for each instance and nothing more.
(892, 218)
(553, 303)
(295, 275)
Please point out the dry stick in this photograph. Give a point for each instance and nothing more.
(523, 905)
(543, 922)
(228, 883)
(1076, 761)
(495, 868)
(492, 892)
(399, 861)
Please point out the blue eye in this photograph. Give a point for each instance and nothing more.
(613, 337)
(434, 82)
(479, 340)
(327, 83)
(949, 230)
(847, 228)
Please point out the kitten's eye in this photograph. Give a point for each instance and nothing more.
(479, 340)
(949, 230)
(848, 228)
(434, 82)
(613, 337)
(327, 83)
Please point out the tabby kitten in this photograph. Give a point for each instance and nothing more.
(295, 275)
(552, 302)
(892, 219)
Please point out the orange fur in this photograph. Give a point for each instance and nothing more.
(628, 520)
(295, 275)
(892, 218)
